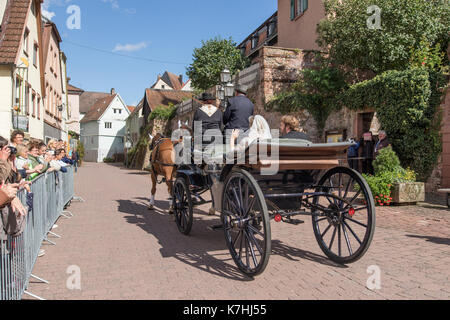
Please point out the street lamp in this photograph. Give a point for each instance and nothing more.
(221, 93)
(225, 76)
(226, 90)
(229, 90)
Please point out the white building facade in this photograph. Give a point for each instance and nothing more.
(103, 129)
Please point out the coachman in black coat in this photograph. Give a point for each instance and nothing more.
(238, 112)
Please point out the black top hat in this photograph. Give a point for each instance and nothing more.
(207, 96)
(241, 89)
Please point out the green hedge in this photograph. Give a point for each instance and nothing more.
(407, 104)
(163, 113)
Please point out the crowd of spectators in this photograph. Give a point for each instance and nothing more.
(20, 163)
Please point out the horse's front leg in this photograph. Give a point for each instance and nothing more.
(169, 183)
(152, 197)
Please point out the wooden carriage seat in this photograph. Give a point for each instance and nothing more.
(298, 154)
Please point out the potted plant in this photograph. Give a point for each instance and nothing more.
(392, 183)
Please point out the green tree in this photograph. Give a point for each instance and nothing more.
(316, 92)
(404, 25)
(209, 61)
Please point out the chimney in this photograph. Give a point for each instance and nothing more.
(181, 79)
(113, 91)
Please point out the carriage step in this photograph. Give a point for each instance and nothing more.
(295, 222)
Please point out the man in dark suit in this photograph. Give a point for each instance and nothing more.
(289, 129)
(239, 110)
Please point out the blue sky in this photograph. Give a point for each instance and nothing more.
(155, 30)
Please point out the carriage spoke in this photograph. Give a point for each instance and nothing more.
(349, 246)
(255, 230)
(247, 256)
(252, 251)
(322, 219)
(339, 184)
(353, 199)
(332, 187)
(362, 208)
(357, 222)
(240, 248)
(238, 202)
(348, 187)
(184, 219)
(246, 196)
(255, 241)
(339, 241)
(230, 201)
(353, 233)
(240, 196)
(252, 203)
(326, 230)
(332, 239)
(238, 236)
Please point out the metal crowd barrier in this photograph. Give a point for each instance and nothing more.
(18, 255)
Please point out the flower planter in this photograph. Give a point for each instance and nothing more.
(408, 193)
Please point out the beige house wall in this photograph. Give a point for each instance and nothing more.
(53, 84)
(5, 101)
(300, 32)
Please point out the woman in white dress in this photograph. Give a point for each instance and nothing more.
(259, 129)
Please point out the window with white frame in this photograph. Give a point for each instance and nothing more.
(35, 55)
(108, 125)
(25, 40)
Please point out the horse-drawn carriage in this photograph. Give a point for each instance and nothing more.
(309, 181)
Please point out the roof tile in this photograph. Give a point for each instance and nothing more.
(13, 25)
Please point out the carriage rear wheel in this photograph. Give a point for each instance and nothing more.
(182, 206)
(344, 215)
(246, 222)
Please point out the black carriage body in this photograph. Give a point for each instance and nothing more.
(309, 181)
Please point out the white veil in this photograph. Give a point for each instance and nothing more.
(259, 130)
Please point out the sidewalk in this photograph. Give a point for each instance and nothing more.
(125, 251)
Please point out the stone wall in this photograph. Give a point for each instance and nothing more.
(279, 70)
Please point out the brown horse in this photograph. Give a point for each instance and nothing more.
(163, 164)
(163, 160)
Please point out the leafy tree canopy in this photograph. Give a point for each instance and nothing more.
(404, 25)
(209, 61)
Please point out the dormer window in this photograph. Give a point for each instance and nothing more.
(271, 28)
(255, 40)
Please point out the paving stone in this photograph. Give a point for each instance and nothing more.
(125, 251)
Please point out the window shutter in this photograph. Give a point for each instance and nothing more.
(292, 9)
(305, 5)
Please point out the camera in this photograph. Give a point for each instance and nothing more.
(13, 150)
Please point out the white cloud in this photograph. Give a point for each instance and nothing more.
(48, 14)
(114, 3)
(48, 3)
(130, 47)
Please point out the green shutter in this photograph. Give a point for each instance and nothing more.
(292, 9)
(305, 5)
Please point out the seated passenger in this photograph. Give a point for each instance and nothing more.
(211, 119)
(259, 129)
(290, 129)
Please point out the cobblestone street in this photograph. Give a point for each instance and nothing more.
(125, 251)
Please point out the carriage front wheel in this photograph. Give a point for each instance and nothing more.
(182, 206)
(246, 222)
(343, 215)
